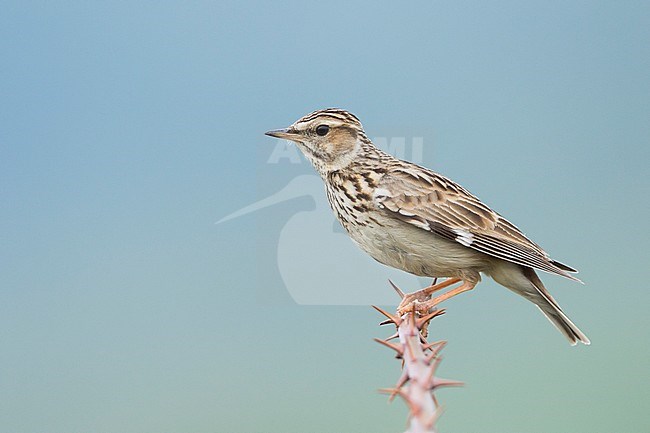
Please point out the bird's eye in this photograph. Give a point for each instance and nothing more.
(322, 130)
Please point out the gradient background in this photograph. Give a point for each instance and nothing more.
(127, 129)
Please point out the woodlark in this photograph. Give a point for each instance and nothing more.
(413, 219)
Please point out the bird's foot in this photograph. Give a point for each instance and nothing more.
(423, 307)
(421, 300)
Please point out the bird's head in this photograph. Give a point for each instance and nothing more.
(329, 138)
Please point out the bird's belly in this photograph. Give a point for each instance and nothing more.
(416, 251)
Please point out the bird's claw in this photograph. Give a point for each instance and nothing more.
(414, 302)
(420, 302)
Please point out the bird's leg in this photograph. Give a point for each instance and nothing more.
(424, 295)
(431, 303)
(435, 286)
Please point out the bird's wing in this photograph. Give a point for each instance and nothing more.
(432, 202)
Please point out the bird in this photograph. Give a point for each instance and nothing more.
(411, 218)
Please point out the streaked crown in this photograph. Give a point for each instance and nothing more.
(335, 114)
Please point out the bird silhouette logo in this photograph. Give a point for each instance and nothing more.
(317, 261)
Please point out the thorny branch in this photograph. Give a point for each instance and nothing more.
(420, 359)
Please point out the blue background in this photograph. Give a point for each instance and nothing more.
(128, 128)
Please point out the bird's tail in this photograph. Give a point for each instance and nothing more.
(553, 312)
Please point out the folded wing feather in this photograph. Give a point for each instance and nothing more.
(432, 202)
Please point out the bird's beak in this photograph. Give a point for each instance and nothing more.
(286, 134)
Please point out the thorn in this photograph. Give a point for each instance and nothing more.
(439, 345)
(420, 322)
(395, 347)
(392, 337)
(397, 289)
(430, 357)
(435, 343)
(424, 333)
(398, 391)
(402, 379)
(415, 409)
(391, 318)
(431, 371)
(392, 392)
(435, 363)
(438, 382)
